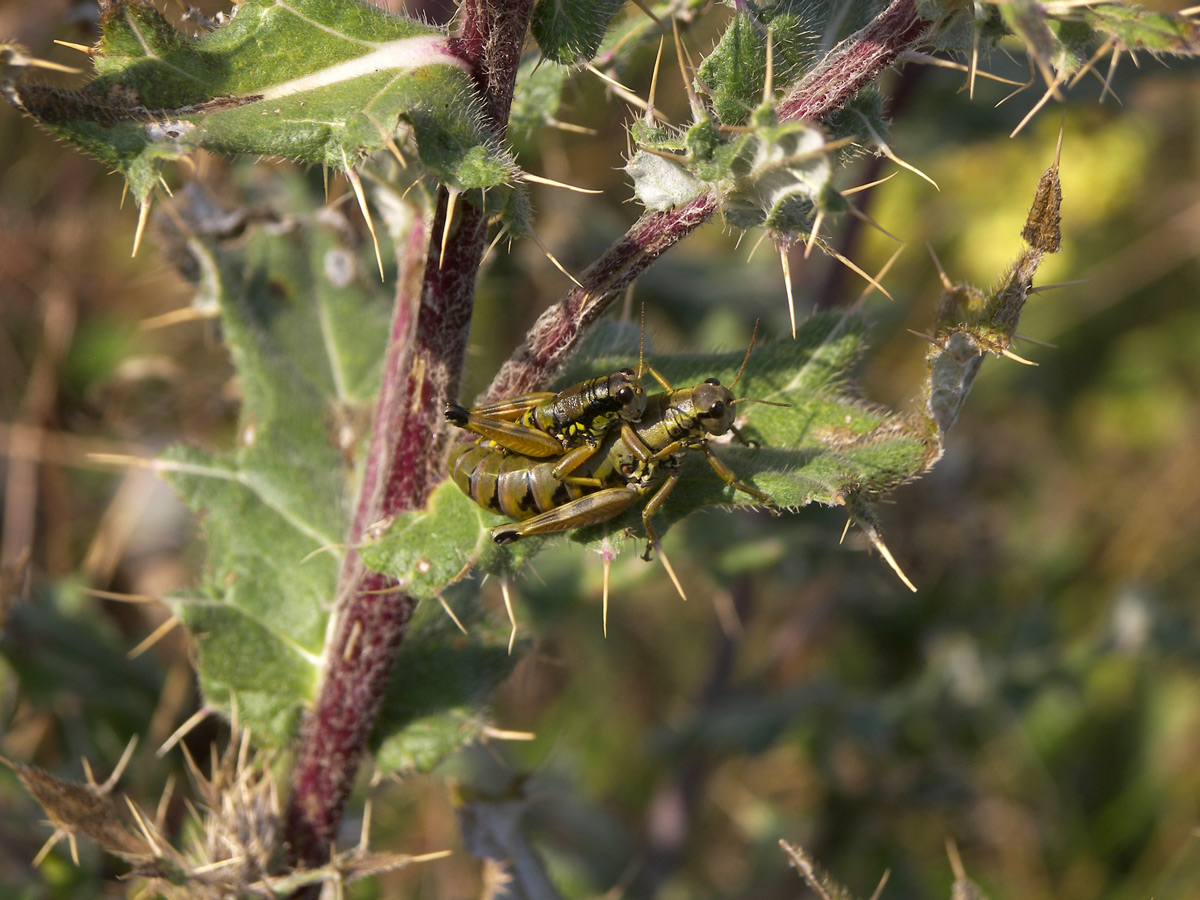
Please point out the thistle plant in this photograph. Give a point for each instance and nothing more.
(333, 537)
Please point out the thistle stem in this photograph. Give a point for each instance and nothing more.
(427, 347)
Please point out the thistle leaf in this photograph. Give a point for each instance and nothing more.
(305, 327)
(318, 81)
(305, 319)
(570, 32)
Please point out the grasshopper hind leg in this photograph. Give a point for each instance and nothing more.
(587, 510)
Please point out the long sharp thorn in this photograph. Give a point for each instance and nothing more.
(74, 848)
(974, 65)
(946, 282)
(364, 835)
(864, 217)
(143, 217)
(887, 151)
(845, 531)
(923, 336)
(1008, 354)
(854, 267)
(1034, 341)
(757, 244)
(46, 64)
(878, 544)
(870, 184)
(887, 873)
(51, 843)
(693, 100)
(956, 863)
(395, 151)
(143, 827)
(508, 607)
(670, 570)
(325, 181)
(124, 194)
(82, 48)
(550, 256)
(927, 60)
(450, 613)
(119, 770)
(813, 232)
(769, 78)
(654, 80)
(604, 591)
(604, 76)
(1062, 128)
(879, 276)
(1090, 65)
(451, 200)
(492, 246)
(1037, 106)
(538, 179)
(640, 4)
(356, 183)
(328, 548)
(571, 127)
(787, 283)
(153, 638)
(182, 731)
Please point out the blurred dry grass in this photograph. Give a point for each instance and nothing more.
(1036, 701)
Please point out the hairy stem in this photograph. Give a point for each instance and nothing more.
(427, 347)
(848, 68)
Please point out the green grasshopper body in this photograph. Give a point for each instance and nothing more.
(637, 459)
(549, 425)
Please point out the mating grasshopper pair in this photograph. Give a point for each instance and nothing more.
(557, 462)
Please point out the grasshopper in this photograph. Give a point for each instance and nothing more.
(639, 458)
(568, 425)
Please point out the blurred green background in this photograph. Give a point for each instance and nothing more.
(1036, 702)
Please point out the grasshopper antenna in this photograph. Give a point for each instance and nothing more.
(642, 345)
(753, 337)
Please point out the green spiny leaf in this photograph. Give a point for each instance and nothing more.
(735, 72)
(443, 679)
(305, 325)
(569, 32)
(537, 95)
(1139, 29)
(319, 81)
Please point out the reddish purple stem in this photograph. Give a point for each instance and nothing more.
(427, 346)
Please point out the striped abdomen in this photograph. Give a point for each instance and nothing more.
(508, 483)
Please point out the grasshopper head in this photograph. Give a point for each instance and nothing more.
(626, 388)
(713, 405)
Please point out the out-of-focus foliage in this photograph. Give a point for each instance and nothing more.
(1035, 701)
